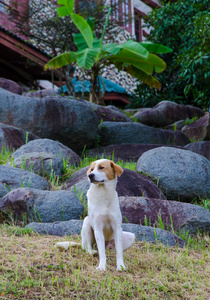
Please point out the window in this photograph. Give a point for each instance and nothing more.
(125, 13)
(139, 17)
(115, 13)
(122, 13)
(86, 6)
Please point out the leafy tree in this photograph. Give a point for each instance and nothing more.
(135, 58)
(183, 26)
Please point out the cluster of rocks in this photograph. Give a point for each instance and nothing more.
(50, 133)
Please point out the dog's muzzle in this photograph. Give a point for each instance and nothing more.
(93, 179)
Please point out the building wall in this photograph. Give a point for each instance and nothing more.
(144, 8)
(11, 12)
(138, 10)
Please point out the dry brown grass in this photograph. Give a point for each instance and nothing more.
(31, 268)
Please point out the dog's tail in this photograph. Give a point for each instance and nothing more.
(66, 245)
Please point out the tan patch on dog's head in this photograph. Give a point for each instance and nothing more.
(110, 169)
(92, 167)
(106, 166)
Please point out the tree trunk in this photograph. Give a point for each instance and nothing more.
(96, 95)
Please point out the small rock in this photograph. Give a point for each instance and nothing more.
(202, 148)
(176, 126)
(10, 86)
(198, 130)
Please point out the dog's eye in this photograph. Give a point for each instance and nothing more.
(101, 168)
(91, 170)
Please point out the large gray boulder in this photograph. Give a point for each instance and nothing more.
(166, 113)
(182, 174)
(202, 148)
(70, 121)
(125, 152)
(12, 178)
(174, 215)
(12, 137)
(130, 183)
(127, 132)
(42, 206)
(45, 155)
(142, 233)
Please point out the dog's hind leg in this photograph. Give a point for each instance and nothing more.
(128, 238)
(88, 238)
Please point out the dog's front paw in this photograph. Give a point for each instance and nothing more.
(94, 252)
(121, 267)
(101, 268)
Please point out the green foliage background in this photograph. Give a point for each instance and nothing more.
(183, 26)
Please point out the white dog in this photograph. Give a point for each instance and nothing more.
(103, 223)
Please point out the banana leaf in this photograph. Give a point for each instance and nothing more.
(84, 28)
(156, 48)
(148, 65)
(135, 48)
(87, 57)
(146, 78)
(61, 60)
(66, 9)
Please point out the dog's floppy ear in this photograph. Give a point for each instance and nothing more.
(118, 169)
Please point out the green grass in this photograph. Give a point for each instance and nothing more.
(190, 121)
(205, 203)
(31, 268)
(5, 155)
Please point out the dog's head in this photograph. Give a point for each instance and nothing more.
(103, 170)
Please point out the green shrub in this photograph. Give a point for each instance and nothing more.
(183, 26)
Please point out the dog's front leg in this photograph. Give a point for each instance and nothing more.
(87, 236)
(119, 248)
(100, 241)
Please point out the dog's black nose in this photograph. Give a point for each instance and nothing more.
(91, 176)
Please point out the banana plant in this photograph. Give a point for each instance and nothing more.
(138, 59)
